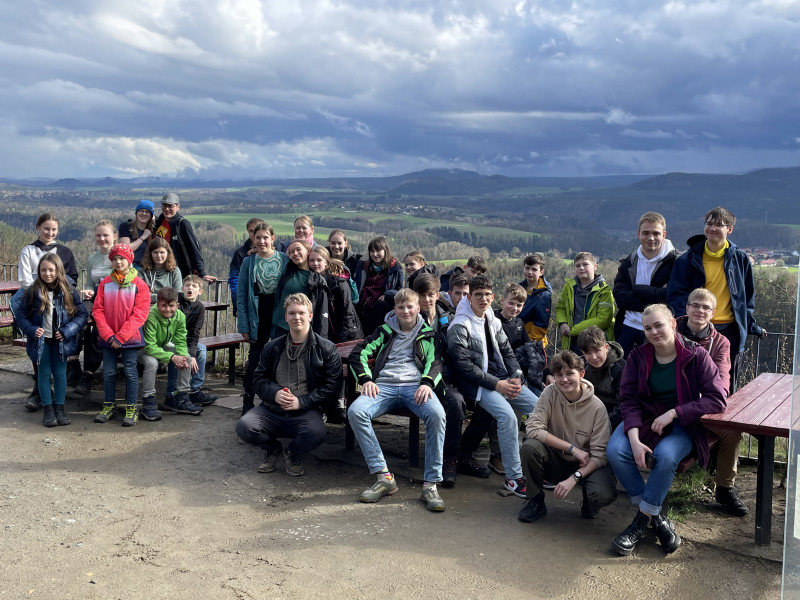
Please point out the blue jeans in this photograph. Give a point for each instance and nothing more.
(198, 378)
(110, 374)
(390, 397)
(669, 452)
(502, 410)
(51, 364)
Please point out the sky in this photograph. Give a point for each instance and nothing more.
(248, 89)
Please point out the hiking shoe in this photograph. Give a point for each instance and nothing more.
(131, 415)
(109, 412)
(518, 487)
(34, 402)
(270, 461)
(49, 416)
(626, 541)
(84, 386)
(61, 414)
(548, 485)
(729, 499)
(533, 509)
(294, 464)
(182, 405)
(201, 399)
(665, 532)
(149, 410)
(74, 372)
(449, 472)
(469, 466)
(433, 501)
(379, 489)
(496, 464)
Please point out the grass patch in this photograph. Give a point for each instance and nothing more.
(687, 491)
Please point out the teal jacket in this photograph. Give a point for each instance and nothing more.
(599, 310)
(158, 332)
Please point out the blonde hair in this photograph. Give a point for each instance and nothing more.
(297, 298)
(406, 295)
(652, 217)
(662, 309)
(702, 294)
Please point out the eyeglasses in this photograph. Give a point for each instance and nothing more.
(701, 307)
(715, 225)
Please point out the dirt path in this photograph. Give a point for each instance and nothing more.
(176, 509)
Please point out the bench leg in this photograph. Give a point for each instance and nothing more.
(232, 365)
(413, 441)
(766, 468)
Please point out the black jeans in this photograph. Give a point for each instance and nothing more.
(262, 427)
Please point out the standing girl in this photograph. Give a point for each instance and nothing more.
(343, 322)
(120, 310)
(138, 232)
(378, 279)
(258, 281)
(340, 248)
(98, 267)
(51, 316)
(303, 230)
(29, 256)
(298, 278)
(159, 268)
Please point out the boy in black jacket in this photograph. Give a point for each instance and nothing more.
(605, 362)
(177, 230)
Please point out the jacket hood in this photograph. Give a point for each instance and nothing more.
(392, 321)
(542, 285)
(587, 393)
(615, 352)
(683, 329)
(464, 310)
(666, 248)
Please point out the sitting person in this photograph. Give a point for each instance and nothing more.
(406, 371)
(415, 265)
(165, 341)
(296, 374)
(485, 371)
(605, 363)
(661, 422)
(567, 437)
(459, 288)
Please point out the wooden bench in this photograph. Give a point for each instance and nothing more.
(227, 340)
(350, 394)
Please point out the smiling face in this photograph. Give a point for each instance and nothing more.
(407, 312)
(104, 237)
(568, 381)
(143, 217)
(376, 255)
(169, 210)
(660, 331)
(159, 256)
(263, 241)
(167, 309)
(412, 265)
(651, 236)
(298, 254)
(47, 272)
(317, 262)
(510, 307)
(596, 356)
(48, 232)
(699, 313)
(302, 230)
(480, 300)
(717, 232)
(337, 245)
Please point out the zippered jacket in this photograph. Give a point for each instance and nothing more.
(599, 310)
(29, 319)
(538, 305)
(185, 245)
(121, 312)
(158, 332)
(628, 295)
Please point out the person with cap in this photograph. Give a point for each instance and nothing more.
(138, 232)
(121, 306)
(177, 230)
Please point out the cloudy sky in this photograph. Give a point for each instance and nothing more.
(291, 88)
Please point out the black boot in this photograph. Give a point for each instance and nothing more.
(61, 414)
(85, 384)
(74, 372)
(730, 501)
(626, 541)
(533, 509)
(49, 416)
(34, 402)
(248, 403)
(665, 532)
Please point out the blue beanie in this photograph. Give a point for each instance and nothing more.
(146, 205)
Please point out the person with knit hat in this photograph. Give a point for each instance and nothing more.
(120, 310)
(138, 232)
(177, 230)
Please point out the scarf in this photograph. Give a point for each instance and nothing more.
(124, 280)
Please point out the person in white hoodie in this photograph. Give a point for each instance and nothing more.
(484, 369)
(567, 435)
(642, 279)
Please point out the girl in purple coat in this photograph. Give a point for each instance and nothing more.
(667, 385)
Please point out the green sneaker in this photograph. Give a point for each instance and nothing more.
(379, 489)
(109, 412)
(433, 501)
(131, 415)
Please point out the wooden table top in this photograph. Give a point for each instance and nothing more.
(210, 305)
(762, 407)
(9, 287)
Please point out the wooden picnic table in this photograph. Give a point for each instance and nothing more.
(762, 408)
(9, 287)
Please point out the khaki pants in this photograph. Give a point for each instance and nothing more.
(727, 458)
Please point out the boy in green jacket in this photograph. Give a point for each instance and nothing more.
(585, 300)
(165, 341)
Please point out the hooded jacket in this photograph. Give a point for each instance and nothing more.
(598, 310)
(631, 296)
(184, 243)
(158, 332)
(717, 346)
(121, 312)
(535, 312)
(583, 423)
(689, 274)
(468, 351)
(323, 368)
(378, 345)
(533, 362)
(606, 379)
(391, 285)
(698, 388)
(344, 324)
(29, 319)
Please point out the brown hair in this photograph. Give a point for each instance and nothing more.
(585, 256)
(652, 217)
(566, 360)
(41, 289)
(720, 213)
(417, 255)
(516, 291)
(167, 294)
(477, 264)
(379, 243)
(425, 283)
(253, 221)
(194, 279)
(45, 217)
(480, 282)
(147, 260)
(458, 281)
(591, 338)
(534, 259)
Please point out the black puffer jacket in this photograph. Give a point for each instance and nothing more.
(323, 371)
(344, 324)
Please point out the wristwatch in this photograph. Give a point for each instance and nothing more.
(578, 476)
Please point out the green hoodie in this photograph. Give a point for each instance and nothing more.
(598, 310)
(158, 332)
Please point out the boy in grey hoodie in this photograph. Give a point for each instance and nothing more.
(567, 437)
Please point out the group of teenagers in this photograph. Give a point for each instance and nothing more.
(597, 412)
